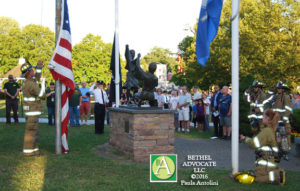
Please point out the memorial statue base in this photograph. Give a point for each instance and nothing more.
(139, 132)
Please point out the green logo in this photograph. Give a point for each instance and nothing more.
(163, 168)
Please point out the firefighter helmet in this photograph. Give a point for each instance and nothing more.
(281, 85)
(26, 67)
(258, 83)
(245, 177)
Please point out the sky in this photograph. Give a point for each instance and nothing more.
(143, 24)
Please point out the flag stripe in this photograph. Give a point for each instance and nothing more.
(64, 52)
(63, 61)
(64, 72)
(57, 76)
(66, 44)
(64, 34)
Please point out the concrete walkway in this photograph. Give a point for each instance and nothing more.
(220, 151)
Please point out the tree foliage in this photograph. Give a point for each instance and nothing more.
(6, 24)
(38, 43)
(10, 44)
(269, 45)
(91, 60)
(91, 57)
(33, 42)
(159, 55)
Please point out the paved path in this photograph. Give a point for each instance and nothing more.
(220, 151)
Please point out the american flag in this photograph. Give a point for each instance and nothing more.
(61, 68)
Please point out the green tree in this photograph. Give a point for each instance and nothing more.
(269, 45)
(38, 43)
(6, 24)
(91, 60)
(159, 55)
(10, 44)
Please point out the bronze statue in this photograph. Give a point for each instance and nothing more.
(135, 73)
(132, 83)
(150, 81)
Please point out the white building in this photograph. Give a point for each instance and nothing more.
(161, 73)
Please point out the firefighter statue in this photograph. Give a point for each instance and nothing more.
(255, 97)
(32, 107)
(282, 104)
(267, 154)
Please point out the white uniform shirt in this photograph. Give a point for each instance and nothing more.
(207, 101)
(98, 95)
(174, 102)
(161, 98)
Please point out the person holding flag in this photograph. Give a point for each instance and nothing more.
(61, 68)
(32, 107)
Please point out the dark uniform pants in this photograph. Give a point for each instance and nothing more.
(217, 126)
(99, 118)
(12, 104)
(267, 175)
(31, 136)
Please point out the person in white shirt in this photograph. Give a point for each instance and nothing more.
(167, 98)
(161, 100)
(100, 101)
(173, 104)
(197, 94)
(206, 102)
(183, 109)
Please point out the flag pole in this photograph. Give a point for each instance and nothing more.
(117, 69)
(58, 88)
(235, 86)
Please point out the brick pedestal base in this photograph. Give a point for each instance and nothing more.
(141, 132)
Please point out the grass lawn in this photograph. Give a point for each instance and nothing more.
(83, 169)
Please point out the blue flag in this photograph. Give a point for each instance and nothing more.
(208, 25)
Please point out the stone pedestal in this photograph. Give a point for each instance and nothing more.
(139, 132)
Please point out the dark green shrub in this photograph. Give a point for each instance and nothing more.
(245, 127)
(296, 120)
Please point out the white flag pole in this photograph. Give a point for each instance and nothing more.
(235, 87)
(117, 69)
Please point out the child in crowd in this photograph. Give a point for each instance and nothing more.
(200, 114)
(194, 112)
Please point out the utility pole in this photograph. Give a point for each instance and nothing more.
(58, 149)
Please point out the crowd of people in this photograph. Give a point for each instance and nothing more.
(192, 108)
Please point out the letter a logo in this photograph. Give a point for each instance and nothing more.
(163, 168)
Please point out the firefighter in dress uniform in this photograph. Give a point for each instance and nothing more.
(283, 105)
(32, 107)
(256, 99)
(267, 154)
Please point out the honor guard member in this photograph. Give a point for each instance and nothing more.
(32, 107)
(282, 104)
(267, 153)
(256, 99)
(11, 89)
(270, 95)
(100, 102)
